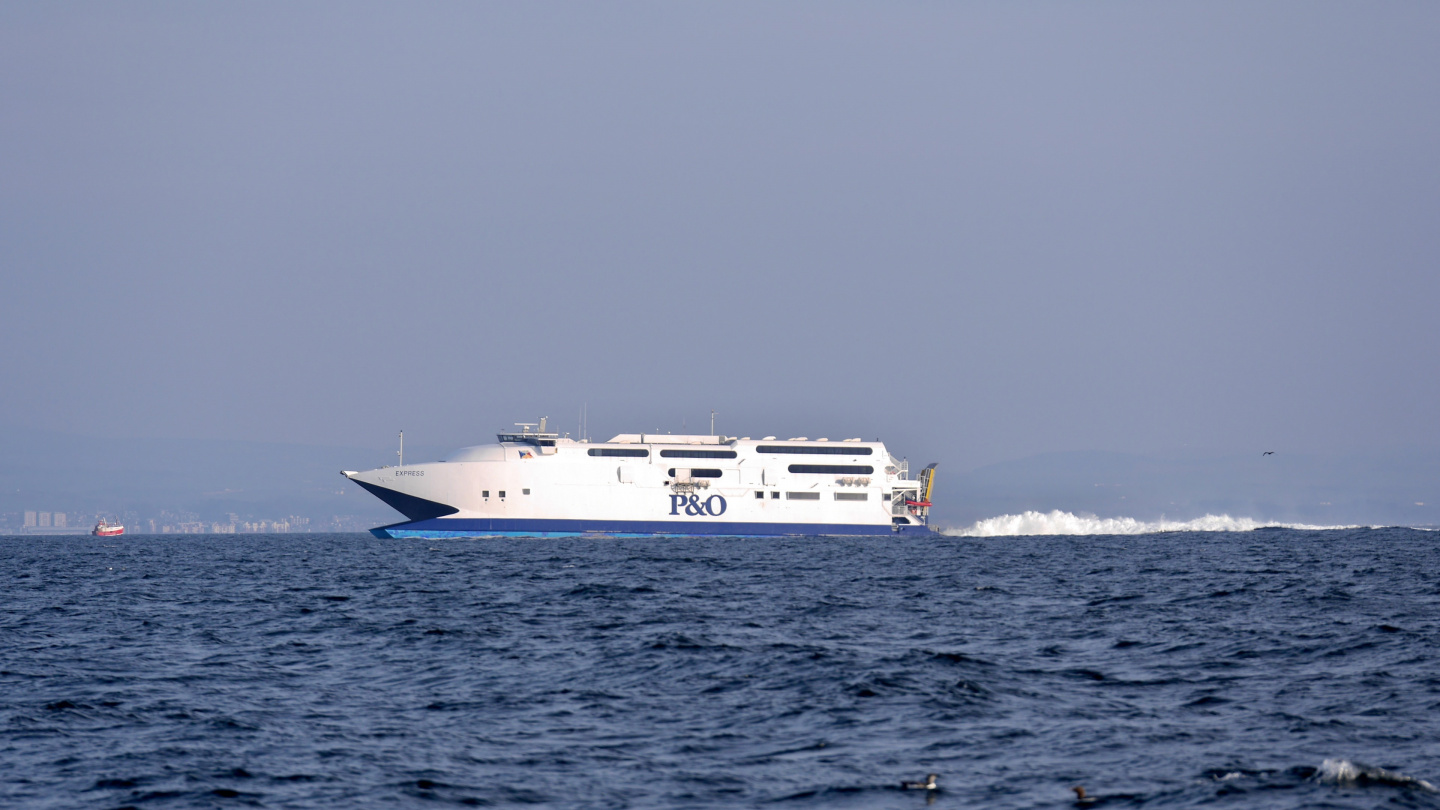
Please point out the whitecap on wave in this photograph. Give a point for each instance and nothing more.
(1058, 522)
(1344, 772)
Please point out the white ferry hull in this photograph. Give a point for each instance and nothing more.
(441, 528)
(539, 485)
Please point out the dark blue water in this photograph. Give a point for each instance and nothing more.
(1174, 670)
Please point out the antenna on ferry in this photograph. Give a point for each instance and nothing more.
(401, 451)
(712, 421)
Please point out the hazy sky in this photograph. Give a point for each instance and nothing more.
(978, 231)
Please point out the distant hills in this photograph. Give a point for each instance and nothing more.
(209, 480)
(205, 480)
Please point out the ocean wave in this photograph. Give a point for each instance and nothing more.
(1346, 773)
(1058, 522)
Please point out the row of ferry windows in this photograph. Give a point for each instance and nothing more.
(699, 473)
(815, 496)
(793, 496)
(627, 452)
(814, 469)
(635, 452)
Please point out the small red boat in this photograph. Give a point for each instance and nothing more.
(103, 529)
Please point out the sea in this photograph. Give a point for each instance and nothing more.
(1264, 667)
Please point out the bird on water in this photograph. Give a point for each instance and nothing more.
(928, 784)
(1080, 797)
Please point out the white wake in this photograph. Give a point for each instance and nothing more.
(1058, 522)
(1347, 773)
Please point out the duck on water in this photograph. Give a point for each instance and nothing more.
(928, 784)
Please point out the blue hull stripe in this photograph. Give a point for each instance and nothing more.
(494, 527)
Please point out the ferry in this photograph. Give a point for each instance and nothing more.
(531, 483)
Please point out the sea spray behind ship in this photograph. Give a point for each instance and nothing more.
(1057, 522)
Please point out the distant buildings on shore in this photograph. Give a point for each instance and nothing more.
(294, 523)
(42, 520)
(48, 523)
(168, 522)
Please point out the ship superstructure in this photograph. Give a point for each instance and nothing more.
(534, 483)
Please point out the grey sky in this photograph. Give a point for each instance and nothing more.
(978, 231)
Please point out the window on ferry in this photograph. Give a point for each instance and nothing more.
(622, 452)
(759, 494)
(832, 469)
(698, 454)
(815, 451)
(852, 496)
(802, 496)
(484, 493)
(524, 492)
(775, 496)
(700, 473)
(502, 493)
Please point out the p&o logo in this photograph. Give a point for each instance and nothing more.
(714, 506)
